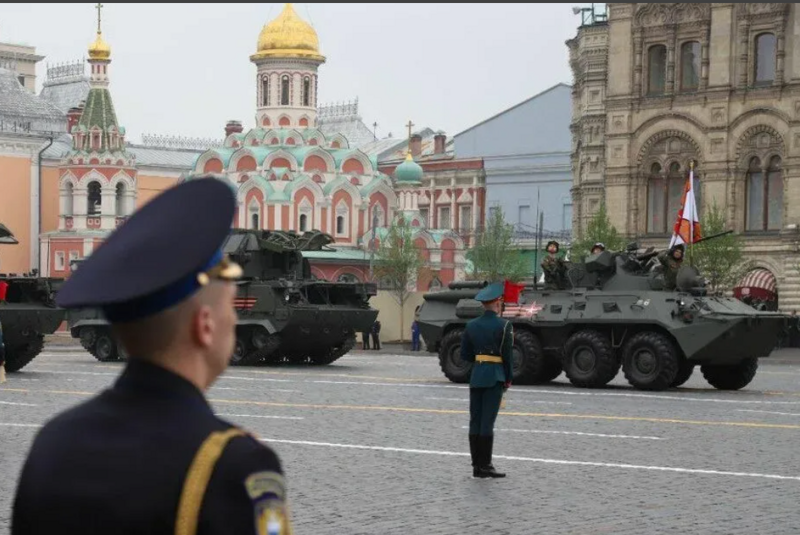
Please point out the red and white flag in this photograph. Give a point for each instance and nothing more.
(687, 227)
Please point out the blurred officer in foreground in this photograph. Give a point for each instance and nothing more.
(598, 248)
(148, 455)
(487, 342)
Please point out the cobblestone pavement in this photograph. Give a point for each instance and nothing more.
(376, 444)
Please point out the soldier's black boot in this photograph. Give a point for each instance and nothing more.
(475, 453)
(488, 469)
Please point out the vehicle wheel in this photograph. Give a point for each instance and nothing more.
(528, 367)
(685, 370)
(88, 337)
(455, 369)
(650, 361)
(733, 377)
(105, 348)
(18, 357)
(552, 369)
(590, 361)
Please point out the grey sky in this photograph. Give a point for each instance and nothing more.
(184, 69)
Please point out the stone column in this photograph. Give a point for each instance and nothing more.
(671, 46)
(780, 46)
(637, 63)
(704, 62)
(108, 208)
(744, 31)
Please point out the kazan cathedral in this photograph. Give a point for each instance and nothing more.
(291, 172)
(292, 176)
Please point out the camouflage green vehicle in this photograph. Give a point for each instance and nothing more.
(285, 314)
(27, 313)
(94, 332)
(614, 313)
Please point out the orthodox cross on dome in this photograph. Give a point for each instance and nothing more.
(409, 125)
(98, 7)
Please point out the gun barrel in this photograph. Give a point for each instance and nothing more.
(718, 235)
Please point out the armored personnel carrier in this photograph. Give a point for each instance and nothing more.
(94, 332)
(27, 311)
(285, 315)
(614, 313)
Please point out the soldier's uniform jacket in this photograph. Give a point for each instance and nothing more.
(671, 267)
(551, 267)
(488, 335)
(128, 453)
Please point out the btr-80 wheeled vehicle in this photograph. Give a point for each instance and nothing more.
(614, 313)
(93, 330)
(27, 311)
(285, 314)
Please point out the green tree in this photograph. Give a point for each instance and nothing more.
(599, 229)
(721, 260)
(398, 263)
(495, 255)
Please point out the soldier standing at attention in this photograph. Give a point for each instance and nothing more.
(552, 267)
(487, 342)
(148, 455)
(672, 261)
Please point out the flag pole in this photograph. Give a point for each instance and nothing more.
(691, 223)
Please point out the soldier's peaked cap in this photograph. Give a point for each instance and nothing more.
(161, 255)
(491, 292)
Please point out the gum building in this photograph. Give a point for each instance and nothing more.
(659, 85)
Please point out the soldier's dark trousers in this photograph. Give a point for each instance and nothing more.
(484, 404)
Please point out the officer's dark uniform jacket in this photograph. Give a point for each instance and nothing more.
(492, 336)
(125, 455)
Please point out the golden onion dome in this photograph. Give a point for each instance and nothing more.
(99, 49)
(288, 36)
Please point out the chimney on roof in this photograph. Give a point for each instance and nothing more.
(233, 127)
(439, 141)
(415, 145)
(74, 116)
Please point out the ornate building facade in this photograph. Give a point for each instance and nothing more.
(657, 86)
(290, 175)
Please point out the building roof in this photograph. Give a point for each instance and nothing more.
(66, 85)
(146, 156)
(514, 107)
(344, 119)
(23, 111)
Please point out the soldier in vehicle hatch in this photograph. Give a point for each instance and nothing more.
(671, 260)
(553, 267)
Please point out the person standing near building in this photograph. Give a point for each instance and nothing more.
(487, 342)
(415, 334)
(376, 335)
(148, 455)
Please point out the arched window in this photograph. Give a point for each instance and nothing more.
(764, 194)
(254, 223)
(306, 91)
(665, 193)
(265, 91)
(303, 222)
(94, 199)
(690, 66)
(120, 199)
(339, 224)
(377, 215)
(285, 90)
(435, 284)
(765, 58)
(657, 69)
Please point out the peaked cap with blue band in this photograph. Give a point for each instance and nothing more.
(161, 255)
(491, 292)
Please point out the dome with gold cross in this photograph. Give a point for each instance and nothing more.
(99, 50)
(288, 36)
